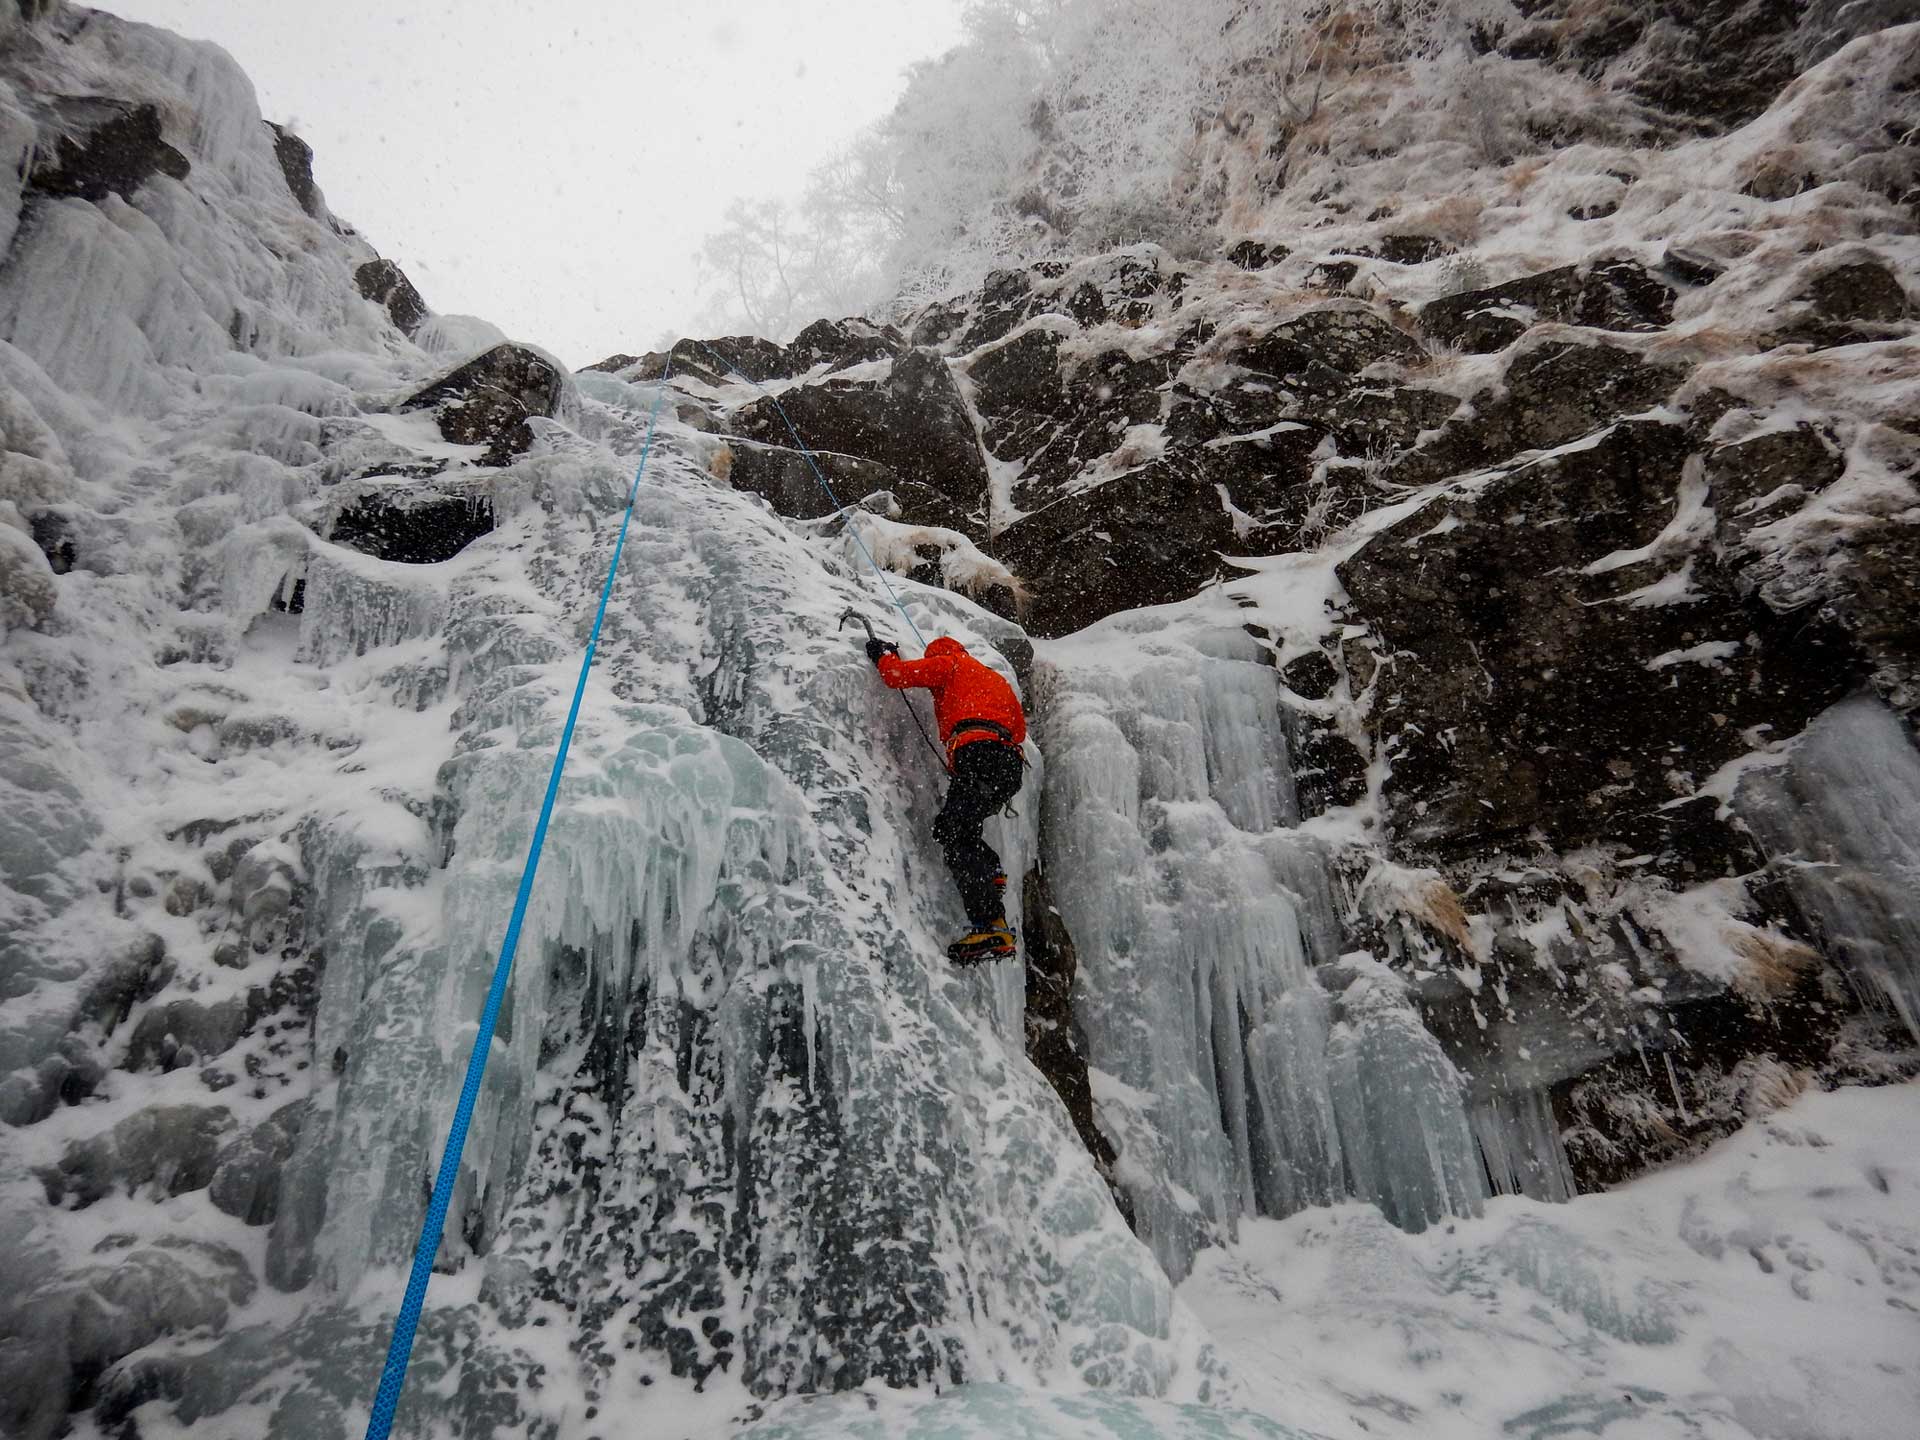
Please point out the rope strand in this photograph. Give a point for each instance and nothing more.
(400, 1351)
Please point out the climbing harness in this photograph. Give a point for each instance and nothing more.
(820, 475)
(851, 614)
(400, 1351)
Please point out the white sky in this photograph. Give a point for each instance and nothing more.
(553, 168)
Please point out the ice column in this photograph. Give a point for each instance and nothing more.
(1842, 817)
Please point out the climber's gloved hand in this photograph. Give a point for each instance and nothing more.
(877, 648)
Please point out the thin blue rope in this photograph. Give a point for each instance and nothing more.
(400, 1351)
(820, 475)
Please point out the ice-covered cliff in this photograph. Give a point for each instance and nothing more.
(1531, 799)
(267, 795)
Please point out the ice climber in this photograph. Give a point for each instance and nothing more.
(983, 727)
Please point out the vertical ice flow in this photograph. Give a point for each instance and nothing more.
(1233, 1083)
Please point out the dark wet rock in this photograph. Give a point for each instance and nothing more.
(1023, 374)
(1880, 605)
(52, 533)
(1863, 290)
(387, 285)
(165, 1150)
(1349, 338)
(1333, 274)
(413, 524)
(939, 326)
(1006, 301)
(296, 163)
(246, 1173)
(1722, 62)
(1052, 1042)
(1301, 370)
(1252, 255)
(1545, 689)
(1607, 295)
(1127, 288)
(914, 423)
(488, 400)
(840, 343)
(1328, 770)
(1411, 249)
(1551, 394)
(1311, 676)
(93, 146)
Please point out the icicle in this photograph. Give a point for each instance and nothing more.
(1520, 1142)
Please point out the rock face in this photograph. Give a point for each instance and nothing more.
(915, 424)
(386, 284)
(102, 147)
(1608, 295)
(296, 163)
(1591, 672)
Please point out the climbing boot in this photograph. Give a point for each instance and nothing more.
(991, 942)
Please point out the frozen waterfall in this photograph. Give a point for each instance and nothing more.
(1230, 1078)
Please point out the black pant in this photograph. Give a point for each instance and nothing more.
(986, 775)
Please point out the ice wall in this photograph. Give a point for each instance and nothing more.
(1231, 1080)
(1840, 818)
(263, 804)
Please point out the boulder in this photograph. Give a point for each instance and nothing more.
(166, 1150)
(246, 1173)
(1558, 686)
(186, 1032)
(914, 423)
(713, 361)
(387, 285)
(1757, 481)
(489, 400)
(1607, 295)
(413, 524)
(100, 147)
(1846, 304)
(1252, 255)
(296, 163)
(784, 478)
(840, 343)
(1378, 422)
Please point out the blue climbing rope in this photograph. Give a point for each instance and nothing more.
(400, 1351)
(821, 476)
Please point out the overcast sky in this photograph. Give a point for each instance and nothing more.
(553, 168)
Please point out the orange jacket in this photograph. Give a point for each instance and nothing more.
(963, 689)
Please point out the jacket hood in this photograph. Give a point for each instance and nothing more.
(946, 646)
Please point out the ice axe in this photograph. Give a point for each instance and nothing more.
(852, 614)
